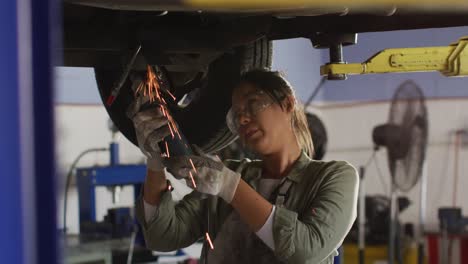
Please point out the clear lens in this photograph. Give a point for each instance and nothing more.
(254, 104)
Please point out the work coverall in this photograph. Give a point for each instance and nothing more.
(318, 211)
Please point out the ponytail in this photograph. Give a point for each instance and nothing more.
(301, 130)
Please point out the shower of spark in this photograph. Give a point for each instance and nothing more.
(150, 87)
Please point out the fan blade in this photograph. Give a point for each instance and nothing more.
(405, 159)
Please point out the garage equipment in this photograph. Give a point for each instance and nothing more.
(450, 61)
(442, 245)
(113, 176)
(405, 138)
(452, 220)
(118, 233)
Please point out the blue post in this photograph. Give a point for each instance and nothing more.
(114, 154)
(12, 174)
(45, 28)
(27, 185)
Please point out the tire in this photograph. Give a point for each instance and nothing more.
(203, 120)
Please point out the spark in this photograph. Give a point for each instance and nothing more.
(150, 87)
(193, 180)
(170, 129)
(174, 126)
(140, 88)
(173, 97)
(167, 149)
(209, 240)
(150, 94)
(193, 166)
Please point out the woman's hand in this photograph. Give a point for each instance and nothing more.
(212, 177)
(151, 128)
(209, 174)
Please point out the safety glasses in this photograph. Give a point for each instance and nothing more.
(252, 105)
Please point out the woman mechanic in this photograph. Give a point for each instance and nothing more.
(283, 208)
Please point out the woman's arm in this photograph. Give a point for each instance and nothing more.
(155, 184)
(315, 234)
(251, 206)
(174, 225)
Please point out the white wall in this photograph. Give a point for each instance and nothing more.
(80, 127)
(349, 129)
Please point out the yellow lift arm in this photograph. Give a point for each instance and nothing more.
(451, 60)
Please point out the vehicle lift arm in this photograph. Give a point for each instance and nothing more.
(450, 60)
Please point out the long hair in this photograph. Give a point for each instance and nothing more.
(278, 88)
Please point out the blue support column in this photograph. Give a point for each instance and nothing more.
(45, 44)
(12, 249)
(27, 185)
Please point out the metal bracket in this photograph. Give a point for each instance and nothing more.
(334, 42)
(451, 60)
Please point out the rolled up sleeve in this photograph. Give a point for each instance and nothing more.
(315, 234)
(174, 225)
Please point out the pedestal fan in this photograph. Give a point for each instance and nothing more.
(405, 138)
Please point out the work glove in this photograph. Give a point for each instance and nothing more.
(210, 176)
(151, 127)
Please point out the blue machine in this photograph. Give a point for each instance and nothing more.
(119, 222)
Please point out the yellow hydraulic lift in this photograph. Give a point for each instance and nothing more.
(451, 60)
